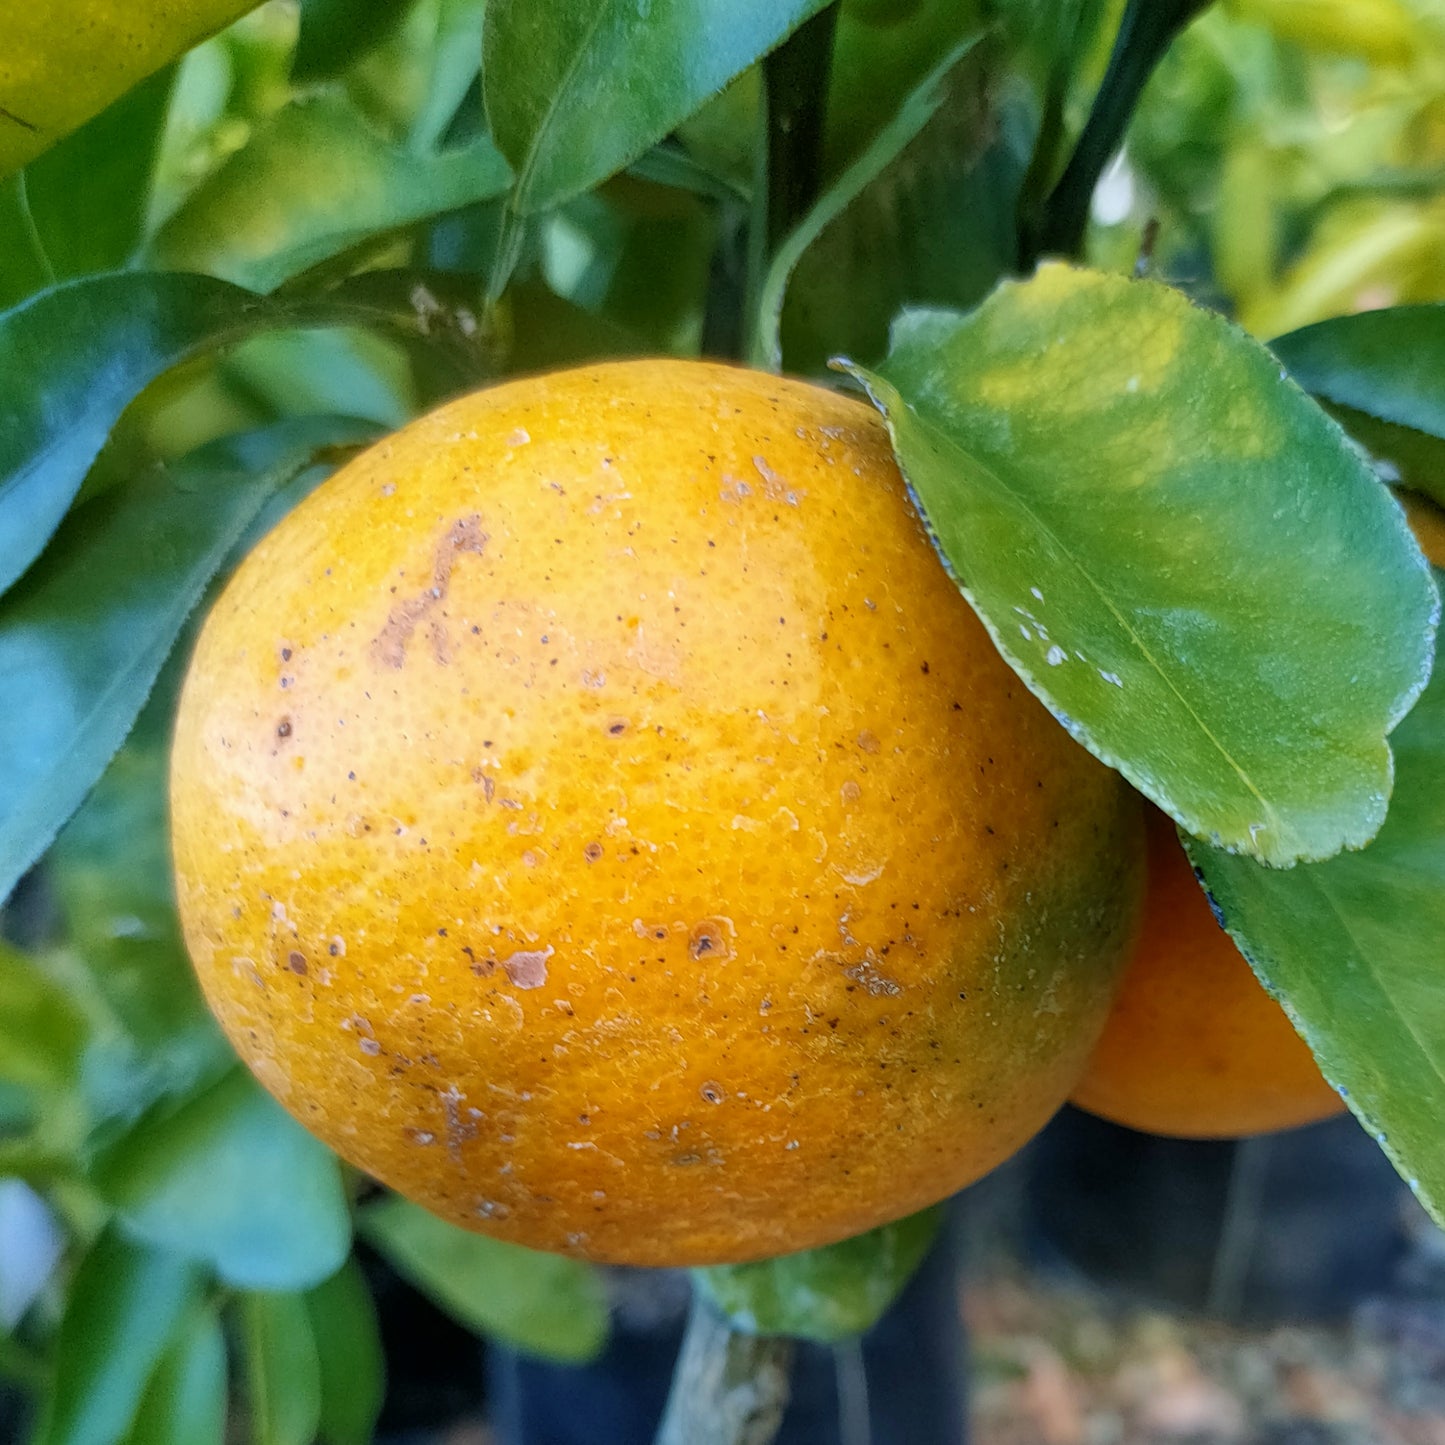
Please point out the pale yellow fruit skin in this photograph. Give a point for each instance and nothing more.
(597, 815)
(63, 61)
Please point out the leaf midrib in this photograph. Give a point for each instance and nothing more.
(947, 442)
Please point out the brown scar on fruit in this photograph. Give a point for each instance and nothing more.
(390, 644)
(528, 967)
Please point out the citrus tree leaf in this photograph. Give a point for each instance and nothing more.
(348, 1351)
(919, 217)
(543, 1303)
(826, 1294)
(84, 633)
(575, 92)
(315, 179)
(1354, 948)
(89, 194)
(283, 1376)
(110, 871)
(883, 51)
(334, 34)
(231, 1179)
(185, 1401)
(456, 58)
(56, 72)
(75, 356)
(26, 269)
(1387, 366)
(1175, 550)
(42, 1032)
(120, 1315)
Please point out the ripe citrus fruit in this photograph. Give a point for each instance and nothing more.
(597, 815)
(1194, 1046)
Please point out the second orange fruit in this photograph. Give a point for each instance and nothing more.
(1194, 1046)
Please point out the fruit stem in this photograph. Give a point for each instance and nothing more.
(728, 1387)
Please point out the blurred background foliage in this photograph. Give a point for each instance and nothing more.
(175, 1251)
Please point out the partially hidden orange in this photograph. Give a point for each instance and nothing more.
(1194, 1046)
(597, 815)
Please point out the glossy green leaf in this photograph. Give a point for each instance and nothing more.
(546, 331)
(42, 1032)
(76, 355)
(883, 51)
(110, 870)
(1174, 548)
(648, 251)
(575, 92)
(1385, 366)
(1354, 949)
(313, 181)
(348, 1351)
(826, 1294)
(26, 269)
(89, 195)
(335, 34)
(456, 58)
(85, 632)
(283, 1376)
(231, 1179)
(543, 1303)
(923, 216)
(185, 1401)
(120, 1315)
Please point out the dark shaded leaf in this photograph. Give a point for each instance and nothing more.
(826, 1294)
(336, 33)
(1353, 948)
(110, 869)
(231, 1179)
(26, 269)
(120, 1314)
(543, 1303)
(575, 92)
(313, 181)
(76, 355)
(922, 216)
(1174, 548)
(883, 51)
(85, 633)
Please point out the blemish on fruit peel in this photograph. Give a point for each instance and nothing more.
(527, 968)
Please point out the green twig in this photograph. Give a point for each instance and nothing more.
(790, 156)
(1145, 33)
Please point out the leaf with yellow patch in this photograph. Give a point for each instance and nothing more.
(1174, 547)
